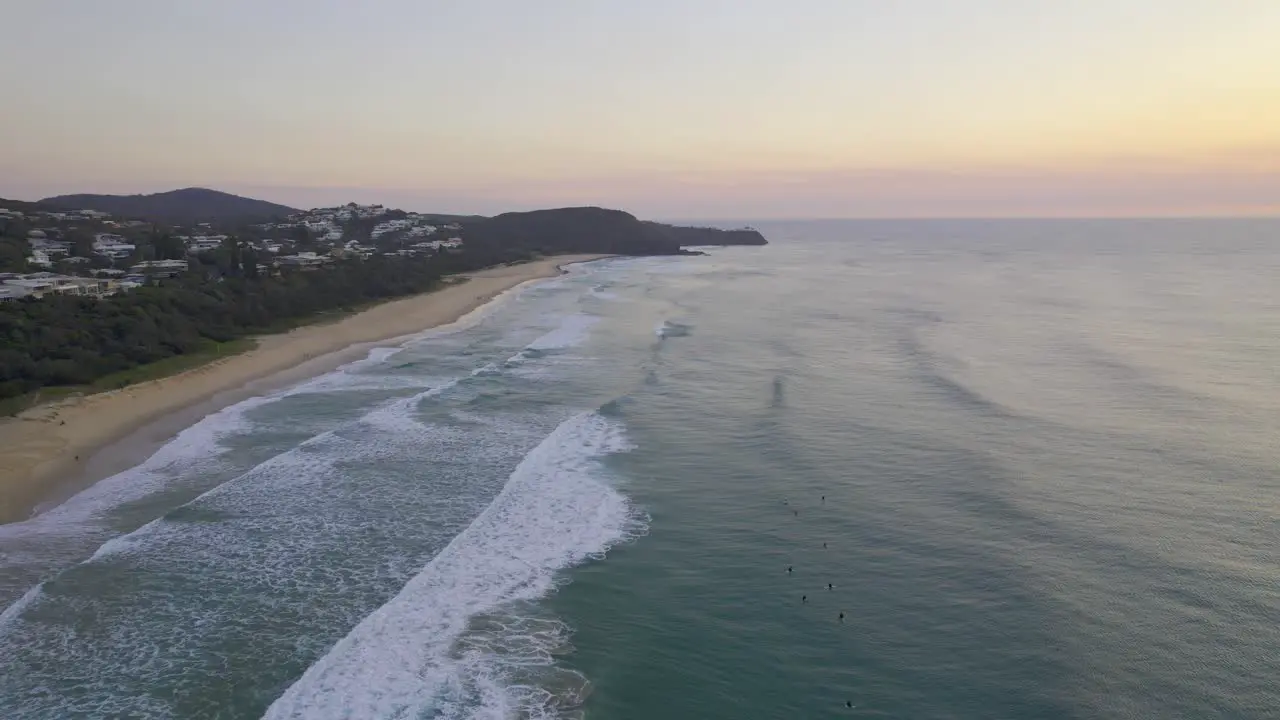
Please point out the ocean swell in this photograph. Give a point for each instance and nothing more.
(406, 659)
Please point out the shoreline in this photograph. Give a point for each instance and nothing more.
(50, 452)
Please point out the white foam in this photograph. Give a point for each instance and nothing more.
(572, 331)
(393, 417)
(199, 442)
(667, 328)
(601, 293)
(12, 612)
(349, 378)
(554, 512)
(376, 356)
(489, 369)
(189, 449)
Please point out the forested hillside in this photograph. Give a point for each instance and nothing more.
(584, 229)
(69, 340)
(686, 236)
(231, 293)
(180, 207)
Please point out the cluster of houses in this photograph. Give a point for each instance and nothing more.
(325, 226)
(100, 282)
(113, 246)
(404, 235)
(15, 286)
(45, 252)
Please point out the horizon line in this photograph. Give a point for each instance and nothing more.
(952, 218)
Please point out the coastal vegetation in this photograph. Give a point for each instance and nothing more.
(232, 292)
(75, 340)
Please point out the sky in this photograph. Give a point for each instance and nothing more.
(668, 108)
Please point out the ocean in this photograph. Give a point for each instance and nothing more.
(877, 469)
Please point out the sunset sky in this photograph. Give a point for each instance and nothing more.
(667, 108)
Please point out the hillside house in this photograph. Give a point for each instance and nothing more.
(12, 292)
(303, 260)
(50, 247)
(389, 226)
(112, 246)
(203, 243)
(160, 268)
(40, 284)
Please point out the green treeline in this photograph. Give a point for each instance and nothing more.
(66, 340)
(231, 292)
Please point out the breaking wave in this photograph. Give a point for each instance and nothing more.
(457, 641)
(669, 329)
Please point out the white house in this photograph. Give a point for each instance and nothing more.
(160, 268)
(50, 247)
(46, 283)
(204, 243)
(303, 260)
(112, 246)
(12, 292)
(383, 228)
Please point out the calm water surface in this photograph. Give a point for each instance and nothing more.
(1034, 464)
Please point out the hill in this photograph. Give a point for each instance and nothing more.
(567, 230)
(693, 236)
(23, 206)
(177, 207)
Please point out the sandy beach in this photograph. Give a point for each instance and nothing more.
(51, 451)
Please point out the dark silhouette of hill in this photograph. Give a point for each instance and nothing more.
(177, 207)
(687, 236)
(593, 230)
(21, 205)
(568, 230)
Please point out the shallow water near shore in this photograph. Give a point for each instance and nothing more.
(1032, 463)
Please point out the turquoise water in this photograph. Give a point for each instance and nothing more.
(1033, 464)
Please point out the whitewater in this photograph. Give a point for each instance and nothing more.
(962, 469)
(369, 543)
